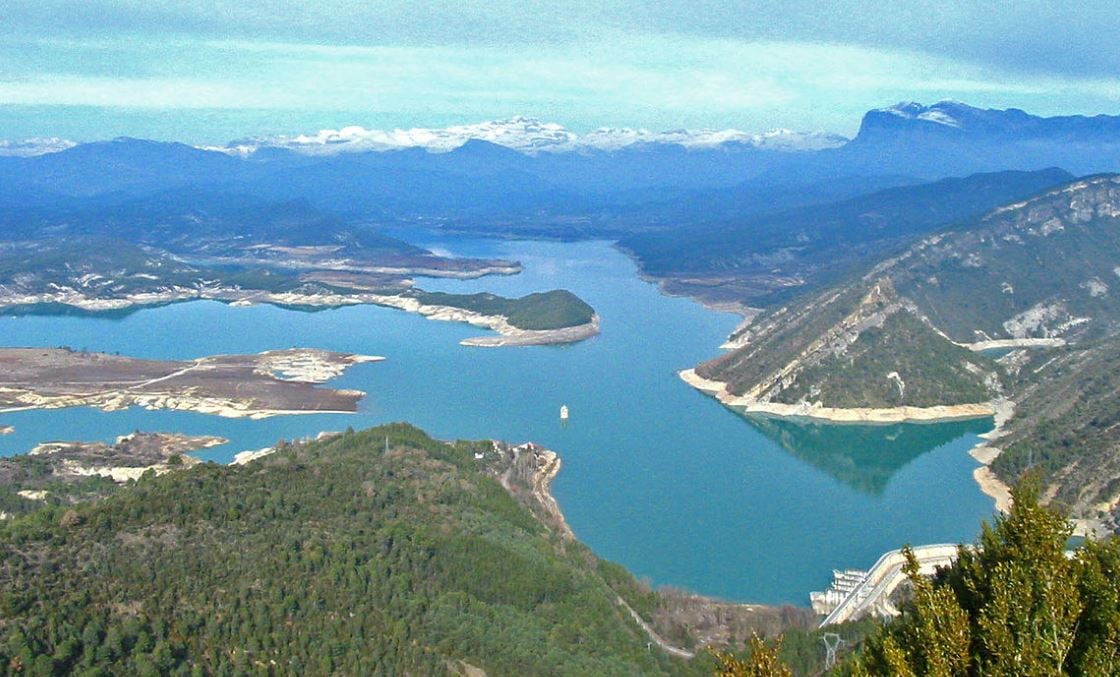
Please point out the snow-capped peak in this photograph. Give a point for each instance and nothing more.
(524, 134)
(33, 147)
(520, 133)
(941, 113)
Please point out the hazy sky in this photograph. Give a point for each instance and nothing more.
(213, 70)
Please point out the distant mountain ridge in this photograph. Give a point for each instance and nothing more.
(523, 134)
(956, 118)
(771, 255)
(501, 175)
(950, 138)
(526, 135)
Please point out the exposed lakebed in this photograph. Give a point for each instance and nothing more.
(656, 476)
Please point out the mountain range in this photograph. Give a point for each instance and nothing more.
(525, 174)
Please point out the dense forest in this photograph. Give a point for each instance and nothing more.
(328, 557)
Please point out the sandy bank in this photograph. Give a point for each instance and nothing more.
(948, 412)
(512, 336)
(740, 336)
(547, 469)
(985, 453)
(244, 457)
(526, 472)
(993, 487)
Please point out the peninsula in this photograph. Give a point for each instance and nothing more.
(558, 316)
(97, 276)
(254, 386)
(1011, 315)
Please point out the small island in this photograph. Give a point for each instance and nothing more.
(552, 317)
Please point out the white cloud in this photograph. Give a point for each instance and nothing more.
(651, 80)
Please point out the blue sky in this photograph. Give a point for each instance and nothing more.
(208, 71)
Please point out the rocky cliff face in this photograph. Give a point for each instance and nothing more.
(1044, 268)
(1041, 268)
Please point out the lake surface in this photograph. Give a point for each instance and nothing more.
(656, 476)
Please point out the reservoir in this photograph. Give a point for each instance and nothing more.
(656, 475)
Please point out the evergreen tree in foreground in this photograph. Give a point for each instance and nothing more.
(1015, 605)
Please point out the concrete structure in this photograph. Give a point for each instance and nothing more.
(843, 583)
(871, 594)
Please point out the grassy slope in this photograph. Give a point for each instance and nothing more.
(780, 336)
(326, 556)
(933, 370)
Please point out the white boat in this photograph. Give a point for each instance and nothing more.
(563, 412)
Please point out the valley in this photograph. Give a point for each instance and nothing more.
(756, 358)
(645, 458)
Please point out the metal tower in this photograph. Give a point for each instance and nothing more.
(832, 642)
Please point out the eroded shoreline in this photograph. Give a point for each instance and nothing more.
(906, 414)
(986, 453)
(508, 335)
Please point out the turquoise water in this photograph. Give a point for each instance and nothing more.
(656, 475)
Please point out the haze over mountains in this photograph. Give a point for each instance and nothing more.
(544, 169)
(528, 135)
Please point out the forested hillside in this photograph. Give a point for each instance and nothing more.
(334, 556)
(1066, 427)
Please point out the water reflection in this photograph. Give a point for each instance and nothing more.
(864, 457)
